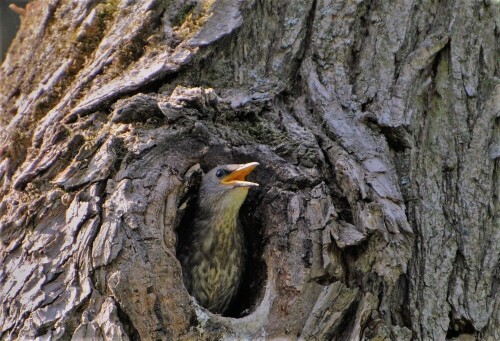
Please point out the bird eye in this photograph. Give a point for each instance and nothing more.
(219, 173)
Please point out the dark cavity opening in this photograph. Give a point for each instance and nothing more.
(251, 289)
(458, 327)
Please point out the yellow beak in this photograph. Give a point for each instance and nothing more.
(237, 177)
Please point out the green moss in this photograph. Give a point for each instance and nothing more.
(107, 9)
(258, 130)
(183, 13)
(194, 18)
(263, 133)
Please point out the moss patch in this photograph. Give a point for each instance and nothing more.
(193, 18)
(256, 129)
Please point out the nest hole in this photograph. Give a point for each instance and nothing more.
(459, 327)
(251, 288)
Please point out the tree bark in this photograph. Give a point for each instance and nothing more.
(377, 127)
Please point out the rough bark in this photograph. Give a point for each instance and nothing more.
(377, 126)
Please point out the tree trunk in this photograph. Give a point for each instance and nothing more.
(377, 130)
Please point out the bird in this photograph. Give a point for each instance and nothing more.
(213, 257)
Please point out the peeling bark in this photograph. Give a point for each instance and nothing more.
(377, 126)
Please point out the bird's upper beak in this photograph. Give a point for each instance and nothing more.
(237, 177)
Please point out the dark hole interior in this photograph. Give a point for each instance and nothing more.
(251, 287)
(254, 276)
(458, 327)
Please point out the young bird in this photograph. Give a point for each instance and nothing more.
(213, 259)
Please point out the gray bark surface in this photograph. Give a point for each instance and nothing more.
(377, 127)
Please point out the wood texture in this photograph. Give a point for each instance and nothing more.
(377, 125)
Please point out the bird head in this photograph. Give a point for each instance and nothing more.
(226, 185)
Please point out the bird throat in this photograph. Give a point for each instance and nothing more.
(225, 213)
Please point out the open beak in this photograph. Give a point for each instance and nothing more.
(237, 177)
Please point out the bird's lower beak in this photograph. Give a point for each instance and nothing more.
(237, 177)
